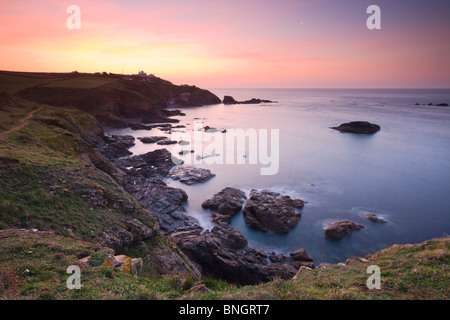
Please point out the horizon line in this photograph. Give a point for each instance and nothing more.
(246, 88)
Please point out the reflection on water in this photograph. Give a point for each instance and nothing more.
(401, 173)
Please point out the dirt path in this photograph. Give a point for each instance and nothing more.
(22, 121)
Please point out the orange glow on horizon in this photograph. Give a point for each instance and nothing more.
(185, 46)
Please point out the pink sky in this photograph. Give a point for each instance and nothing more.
(228, 43)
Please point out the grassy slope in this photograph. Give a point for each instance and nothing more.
(49, 182)
(33, 266)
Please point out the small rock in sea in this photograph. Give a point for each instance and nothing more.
(374, 218)
(338, 229)
(151, 139)
(166, 142)
(269, 211)
(226, 202)
(301, 255)
(359, 127)
(442, 105)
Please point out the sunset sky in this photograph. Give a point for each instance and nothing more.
(236, 43)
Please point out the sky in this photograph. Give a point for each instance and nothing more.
(235, 43)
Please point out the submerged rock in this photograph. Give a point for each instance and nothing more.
(269, 211)
(338, 229)
(152, 139)
(359, 127)
(373, 217)
(190, 174)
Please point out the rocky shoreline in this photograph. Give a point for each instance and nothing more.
(223, 251)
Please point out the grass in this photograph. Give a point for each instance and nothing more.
(33, 266)
(82, 82)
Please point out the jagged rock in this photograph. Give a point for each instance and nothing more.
(164, 202)
(301, 255)
(359, 127)
(190, 174)
(151, 164)
(226, 202)
(229, 236)
(269, 211)
(217, 258)
(341, 228)
(116, 146)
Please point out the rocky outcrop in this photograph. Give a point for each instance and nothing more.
(116, 146)
(165, 203)
(151, 164)
(226, 203)
(338, 229)
(359, 127)
(230, 100)
(269, 211)
(229, 259)
(190, 174)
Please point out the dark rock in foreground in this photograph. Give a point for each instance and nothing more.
(190, 174)
(338, 229)
(230, 100)
(225, 254)
(359, 127)
(269, 211)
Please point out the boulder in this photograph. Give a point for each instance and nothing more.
(269, 211)
(226, 202)
(339, 229)
(190, 174)
(359, 127)
(301, 255)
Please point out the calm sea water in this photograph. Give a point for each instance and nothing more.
(401, 173)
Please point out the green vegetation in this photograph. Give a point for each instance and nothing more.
(33, 266)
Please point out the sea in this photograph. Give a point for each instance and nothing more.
(401, 173)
